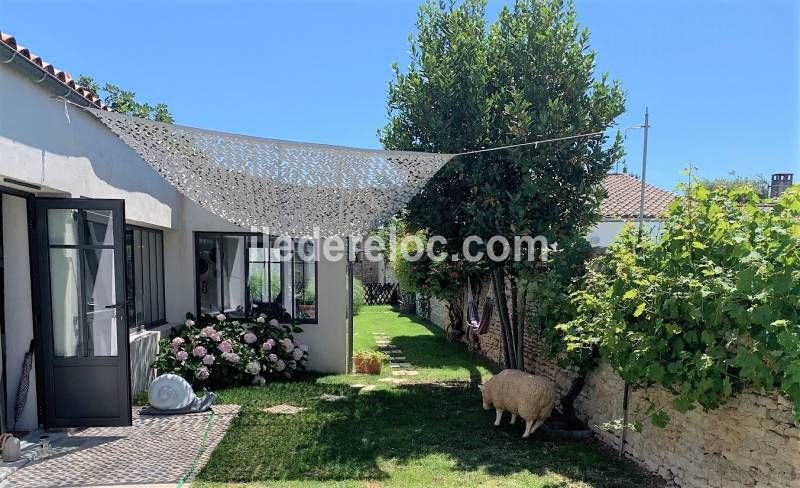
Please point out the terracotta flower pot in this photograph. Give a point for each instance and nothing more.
(367, 365)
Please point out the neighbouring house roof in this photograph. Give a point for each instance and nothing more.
(24, 59)
(624, 193)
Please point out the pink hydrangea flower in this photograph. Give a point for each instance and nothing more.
(208, 359)
(280, 365)
(249, 337)
(269, 344)
(177, 342)
(207, 331)
(221, 317)
(181, 356)
(273, 322)
(261, 320)
(225, 346)
(287, 344)
(304, 347)
(203, 373)
(297, 354)
(199, 351)
(273, 358)
(231, 357)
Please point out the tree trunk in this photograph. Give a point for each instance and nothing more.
(521, 315)
(455, 315)
(509, 346)
(516, 323)
(568, 402)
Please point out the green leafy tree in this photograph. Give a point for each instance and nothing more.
(709, 309)
(124, 101)
(529, 75)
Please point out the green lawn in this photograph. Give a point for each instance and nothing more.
(430, 431)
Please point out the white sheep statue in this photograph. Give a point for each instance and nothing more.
(529, 396)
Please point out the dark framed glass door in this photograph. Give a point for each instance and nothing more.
(83, 330)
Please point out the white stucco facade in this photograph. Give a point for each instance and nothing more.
(604, 233)
(75, 156)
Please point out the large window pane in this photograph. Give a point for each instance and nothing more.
(62, 226)
(65, 290)
(209, 272)
(275, 282)
(234, 292)
(130, 295)
(99, 228)
(137, 276)
(101, 306)
(159, 278)
(145, 277)
(154, 298)
(251, 278)
(305, 296)
(147, 316)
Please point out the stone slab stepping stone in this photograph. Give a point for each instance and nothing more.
(284, 409)
(394, 351)
(397, 358)
(366, 389)
(331, 398)
(358, 385)
(400, 365)
(405, 372)
(396, 381)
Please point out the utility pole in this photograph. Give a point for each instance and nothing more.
(646, 126)
(626, 392)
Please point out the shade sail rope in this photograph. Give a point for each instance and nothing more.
(284, 187)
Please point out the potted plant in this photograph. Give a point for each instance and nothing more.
(368, 361)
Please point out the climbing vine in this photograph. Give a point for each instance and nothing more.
(710, 308)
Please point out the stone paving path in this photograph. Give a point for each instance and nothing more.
(155, 450)
(397, 359)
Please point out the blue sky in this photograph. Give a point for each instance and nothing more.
(720, 77)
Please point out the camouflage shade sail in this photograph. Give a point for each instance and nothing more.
(275, 186)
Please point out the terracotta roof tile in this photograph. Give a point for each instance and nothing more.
(623, 198)
(64, 77)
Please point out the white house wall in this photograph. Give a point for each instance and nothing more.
(326, 339)
(606, 231)
(79, 157)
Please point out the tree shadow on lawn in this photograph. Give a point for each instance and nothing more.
(352, 439)
(437, 352)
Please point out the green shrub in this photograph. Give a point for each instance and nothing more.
(711, 308)
(218, 352)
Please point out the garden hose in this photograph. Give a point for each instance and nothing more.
(203, 440)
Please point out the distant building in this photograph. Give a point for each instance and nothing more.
(622, 206)
(779, 183)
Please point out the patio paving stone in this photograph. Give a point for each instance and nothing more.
(155, 450)
(284, 409)
(405, 372)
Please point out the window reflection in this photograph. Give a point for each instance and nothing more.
(245, 275)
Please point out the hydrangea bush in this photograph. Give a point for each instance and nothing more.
(216, 352)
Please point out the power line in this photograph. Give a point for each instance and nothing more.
(532, 143)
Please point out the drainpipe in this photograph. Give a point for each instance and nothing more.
(349, 310)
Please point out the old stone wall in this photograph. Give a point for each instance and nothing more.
(752, 441)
